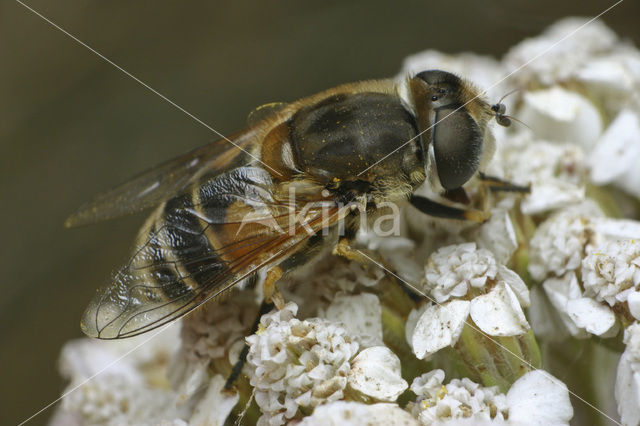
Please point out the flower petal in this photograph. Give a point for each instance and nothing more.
(617, 150)
(516, 284)
(498, 313)
(627, 390)
(633, 300)
(592, 316)
(439, 326)
(215, 406)
(557, 114)
(560, 291)
(361, 315)
(498, 236)
(375, 372)
(538, 398)
(350, 413)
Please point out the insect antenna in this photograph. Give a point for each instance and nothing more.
(499, 110)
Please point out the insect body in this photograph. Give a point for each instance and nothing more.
(225, 215)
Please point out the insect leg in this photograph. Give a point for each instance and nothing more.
(242, 359)
(343, 248)
(433, 208)
(498, 184)
(271, 292)
(458, 195)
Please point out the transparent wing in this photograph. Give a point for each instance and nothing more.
(265, 111)
(162, 182)
(196, 249)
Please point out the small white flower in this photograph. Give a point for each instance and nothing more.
(561, 60)
(360, 314)
(536, 398)
(627, 390)
(349, 413)
(559, 243)
(458, 400)
(559, 115)
(610, 270)
(331, 275)
(556, 171)
(453, 270)
(613, 78)
(295, 363)
(375, 372)
(307, 363)
(495, 305)
(113, 399)
(611, 75)
(208, 334)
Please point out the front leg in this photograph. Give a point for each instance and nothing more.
(497, 184)
(433, 208)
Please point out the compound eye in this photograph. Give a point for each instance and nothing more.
(457, 145)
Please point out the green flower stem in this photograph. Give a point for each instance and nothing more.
(252, 413)
(531, 349)
(497, 361)
(524, 227)
(605, 198)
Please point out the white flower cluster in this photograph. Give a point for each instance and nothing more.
(453, 270)
(489, 293)
(457, 400)
(587, 264)
(537, 398)
(128, 385)
(313, 292)
(556, 171)
(603, 116)
(611, 273)
(298, 365)
(559, 244)
(112, 399)
(212, 332)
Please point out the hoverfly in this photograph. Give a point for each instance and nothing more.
(364, 143)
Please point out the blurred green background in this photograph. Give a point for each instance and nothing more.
(72, 125)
